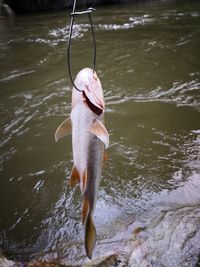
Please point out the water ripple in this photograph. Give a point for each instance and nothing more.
(182, 94)
(15, 74)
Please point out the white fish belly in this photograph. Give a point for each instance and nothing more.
(87, 150)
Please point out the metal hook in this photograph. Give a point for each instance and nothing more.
(73, 14)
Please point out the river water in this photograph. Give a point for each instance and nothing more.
(148, 60)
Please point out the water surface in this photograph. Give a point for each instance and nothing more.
(148, 63)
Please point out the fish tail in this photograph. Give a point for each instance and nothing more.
(90, 236)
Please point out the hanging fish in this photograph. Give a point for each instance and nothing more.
(89, 138)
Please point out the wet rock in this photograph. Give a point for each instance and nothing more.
(43, 264)
(4, 262)
(5, 10)
(173, 234)
(8, 11)
(46, 264)
(106, 261)
(112, 260)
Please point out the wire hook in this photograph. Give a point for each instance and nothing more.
(73, 14)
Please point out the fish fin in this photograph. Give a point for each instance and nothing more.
(105, 156)
(85, 209)
(84, 180)
(100, 131)
(74, 177)
(65, 128)
(90, 236)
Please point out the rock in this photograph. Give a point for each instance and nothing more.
(6, 10)
(46, 264)
(43, 264)
(4, 262)
(106, 261)
(173, 234)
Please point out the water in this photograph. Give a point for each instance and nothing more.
(148, 63)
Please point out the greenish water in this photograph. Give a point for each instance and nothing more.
(148, 60)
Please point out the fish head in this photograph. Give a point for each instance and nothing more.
(91, 91)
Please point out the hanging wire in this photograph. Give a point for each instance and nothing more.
(73, 14)
(94, 43)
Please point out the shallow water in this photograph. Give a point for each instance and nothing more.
(148, 63)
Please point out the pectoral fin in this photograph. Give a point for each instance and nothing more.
(65, 128)
(74, 177)
(100, 131)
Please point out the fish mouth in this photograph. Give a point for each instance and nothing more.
(97, 110)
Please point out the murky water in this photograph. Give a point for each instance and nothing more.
(148, 63)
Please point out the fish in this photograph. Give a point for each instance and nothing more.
(90, 138)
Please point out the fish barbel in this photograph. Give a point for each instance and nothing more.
(89, 138)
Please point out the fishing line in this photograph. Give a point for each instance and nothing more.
(73, 14)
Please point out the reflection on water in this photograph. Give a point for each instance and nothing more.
(148, 62)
